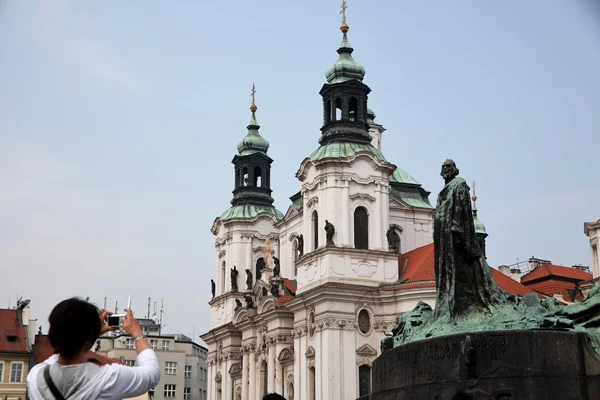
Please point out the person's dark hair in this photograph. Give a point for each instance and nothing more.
(74, 326)
(273, 396)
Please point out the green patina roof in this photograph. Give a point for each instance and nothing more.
(253, 142)
(345, 68)
(298, 203)
(344, 150)
(479, 226)
(249, 211)
(401, 176)
(414, 199)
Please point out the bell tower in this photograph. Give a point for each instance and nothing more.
(252, 166)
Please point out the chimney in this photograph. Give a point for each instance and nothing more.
(536, 262)
(582, 268)
(515, 274)
(504, 269)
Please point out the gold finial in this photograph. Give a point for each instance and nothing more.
(344, 28)
(253, 107)
(474, 197)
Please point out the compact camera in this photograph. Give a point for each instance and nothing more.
(115, 320)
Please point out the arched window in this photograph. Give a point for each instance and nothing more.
(364, 380)
(223, 278)
(296, 255)
(327, 112)
(264, 378)
(353, 108)
(361, 228)
(311, 383)
(260, 265)
(245, 177)
(257, 176)
(338, 109)
(315, 225)
(290, 391)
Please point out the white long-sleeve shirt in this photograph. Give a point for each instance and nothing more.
(89, 381)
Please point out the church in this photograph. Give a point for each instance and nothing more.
(301, 300)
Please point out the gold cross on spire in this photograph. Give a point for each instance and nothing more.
(253, 92)
(343, 12)
(474, 197)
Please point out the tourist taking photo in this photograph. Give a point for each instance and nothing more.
(75, 325)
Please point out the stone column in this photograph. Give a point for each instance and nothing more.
(385, 212)
(245, 376)
(346, 212)
(298, 355)
(218, 275)
(226, 388)
(252, 376)
(271, 369)
(210, 381)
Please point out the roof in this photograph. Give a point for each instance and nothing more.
(416, 270)
(401, 176)
(250, 211)
(345, 150)
(549, 270)
(42, 350)
(283, 299)
(345, 68)
(412, 198)
(590, 225)
(551, 279)
(11, 326)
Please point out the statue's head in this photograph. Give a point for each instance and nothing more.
(449, 170)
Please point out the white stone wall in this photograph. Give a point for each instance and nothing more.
(594, 235)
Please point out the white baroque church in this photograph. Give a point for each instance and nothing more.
(302, 300)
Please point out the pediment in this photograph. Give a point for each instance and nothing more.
(366, 350)
(235, 369)
(286, 355)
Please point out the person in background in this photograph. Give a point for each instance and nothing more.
(75, 325)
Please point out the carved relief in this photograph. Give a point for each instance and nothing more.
(363, 196)
(310, 352)
(384, 326)
(366, 350)
(311, 201)
(364, 270)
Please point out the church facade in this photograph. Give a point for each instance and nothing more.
(302, 299)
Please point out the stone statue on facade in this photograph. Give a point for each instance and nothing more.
(393, 240)
(234, 275)
(300, 245)
(329, 232)
(212, 288)
(249, 301)
(248, 279)
(275, 288)
(277, 268)
(238, 304)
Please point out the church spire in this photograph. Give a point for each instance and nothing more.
(480, 232)
(345, 96)
(252, 165)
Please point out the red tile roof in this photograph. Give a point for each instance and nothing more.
(416, 269)
(289, 285)
(42, 350)
(549, 270)
(283, 299)
(10, 325)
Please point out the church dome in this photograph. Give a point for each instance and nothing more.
(253, 142)
(345, 68)
(479, 226)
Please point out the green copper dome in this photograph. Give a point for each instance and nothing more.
(345, 68)
(251, 212)
(253, 142)
(479, 226)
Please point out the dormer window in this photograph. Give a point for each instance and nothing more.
(12, 338)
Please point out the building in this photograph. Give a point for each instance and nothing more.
(182, 363)
(592, 231)
(556, 280)
(321, 284)
(16, 332)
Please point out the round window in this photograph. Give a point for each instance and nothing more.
(311, 323)
(364, 321)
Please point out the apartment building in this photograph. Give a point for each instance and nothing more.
(182, 363)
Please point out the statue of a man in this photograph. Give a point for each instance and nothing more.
(464, 281)
(248, 279)
(234, 275)
(300, 245)
(212, 288)
(329, 232)
(267, 255)
(238, 304)
(392, 239)
(277, 268)
(249, 301)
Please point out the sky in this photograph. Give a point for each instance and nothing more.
(119, 120)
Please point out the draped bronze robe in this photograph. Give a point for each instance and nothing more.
(464, 281)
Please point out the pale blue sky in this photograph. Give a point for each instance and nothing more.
(118, 122)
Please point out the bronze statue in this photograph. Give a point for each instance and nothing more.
(238, 304)
(234, 275)
(463, 281)
(393, 240)
(212, 288)
(275, 289)
(300, 245)
(248, 279)
(249, 301)
(329, 232)
(277, 268)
